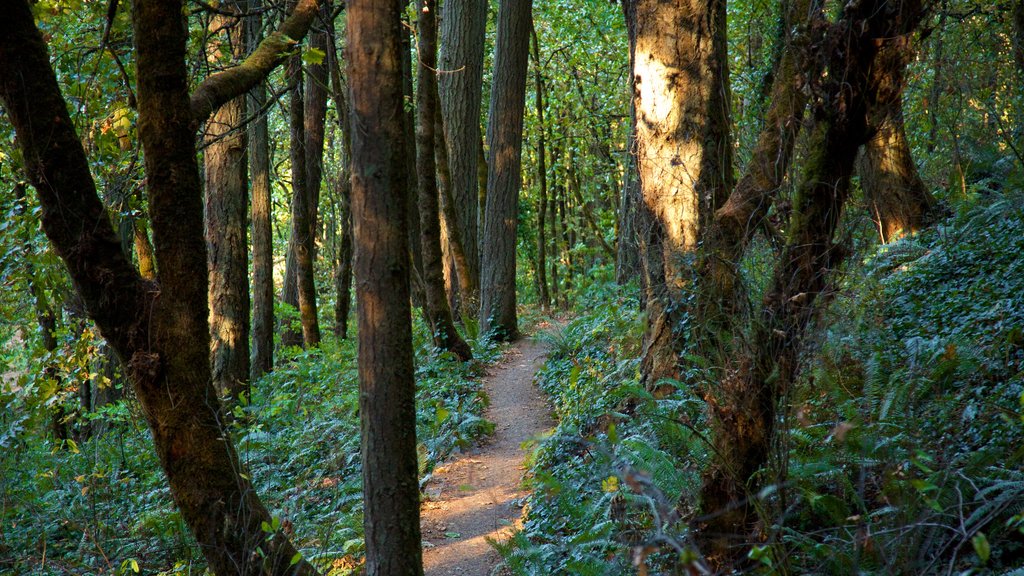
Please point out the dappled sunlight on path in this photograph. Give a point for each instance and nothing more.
(478, 496)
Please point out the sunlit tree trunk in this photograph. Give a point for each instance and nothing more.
(504, 179)
(897, 197)
(439, 315)
(226, 222)
(463, 25)
(684, 157)
(386, 382)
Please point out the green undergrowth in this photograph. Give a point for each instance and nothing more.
(101, 504)
(607, 482)
(904, 436)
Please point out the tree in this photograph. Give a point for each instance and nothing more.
(158, 329)
(542, 176)
(684, 157)
(386, 381)
(745, 402)
(463, 25)
(897, 197)
(504, 177)
(435, 299)
(262, 241)
(225, 220)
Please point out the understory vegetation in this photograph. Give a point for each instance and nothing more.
(900, 448)
(101, 504)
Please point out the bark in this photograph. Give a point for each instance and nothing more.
(1018, 44)
(542, 177)
(409, 140)
(744, 407)
(439, 315)
(216, 90)
(684, 156)
(457, 277)
(505, 138)
(627, 260)
(225, 221)
(301, 240)
(158, 329)
(343, 262)
(144, 250)
(463, 25)
(744, 212)
(262, 350)
(899, 202)
(386, 383)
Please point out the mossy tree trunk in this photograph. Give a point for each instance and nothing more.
(744, 408)
(158, 328)
(899, 202)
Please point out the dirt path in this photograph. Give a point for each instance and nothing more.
(478, 495)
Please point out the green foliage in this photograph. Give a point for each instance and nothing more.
(607, 482)
(100, 503)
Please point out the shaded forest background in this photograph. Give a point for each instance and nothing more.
(831, 383)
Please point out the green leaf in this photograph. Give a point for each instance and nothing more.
(134, 565)
(296, 559)
(265, 526)
(761, 554)
(313, 56)
(981, 547)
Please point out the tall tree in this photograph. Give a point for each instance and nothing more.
(504, 177)
(542, 175)
(262, 349)
(158, 329)
(435, 299)
(343, 255)
(684, 155)
(463, 25)
(387, 403)
(225, 220)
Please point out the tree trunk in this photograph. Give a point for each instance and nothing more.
(262, 237)
(504, 178)
(458, 276)
(744, 408)
(144, 250)
(301, 241)
(409, 140)
(897, 197)
(720, 299)
(159, 330)
(225, 221)
(627, 259)
(463, 25)
(542, 177)
(343, 263)
(435, 303)
(386, 381)
(684, 154)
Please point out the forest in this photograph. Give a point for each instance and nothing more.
(512, 287)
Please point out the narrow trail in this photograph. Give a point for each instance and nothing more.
(477, 496)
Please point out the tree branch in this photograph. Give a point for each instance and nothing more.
(217, 89)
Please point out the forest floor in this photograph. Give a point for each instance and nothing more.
(479, 495)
